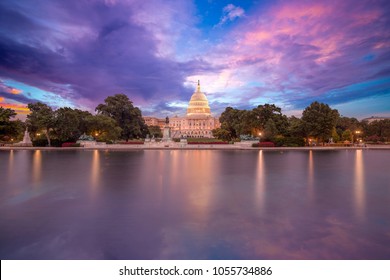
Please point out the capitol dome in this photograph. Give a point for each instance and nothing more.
(198, 105)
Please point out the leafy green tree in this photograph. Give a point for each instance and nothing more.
(295, 127)
(379, 129)
(222, 134)
(335, 135)
(40, 118)
(83, 119)
(347, 135)
(243, 122)
(128, 117)
(103, 128)
(5, 121)
(344, 123)
(10, 129)
(230, 119)
(155, 130)
(263, 113)
(270, 130)
(6, 114)
(66, 124)
(319, 120)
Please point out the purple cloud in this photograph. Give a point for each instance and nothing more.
(85, 51)
(285, 52)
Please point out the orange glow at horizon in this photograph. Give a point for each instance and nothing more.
(22, 108)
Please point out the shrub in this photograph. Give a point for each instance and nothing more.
(39, 142)
(56, 142)
(263, 144)
(373, 138)
(281, 141)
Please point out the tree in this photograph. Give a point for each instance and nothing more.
(380, 129)
(40, 118)
(6, 114)
(319, 120)
(66, 124)
(295, 127)
(263, 113)
(155, 130)
(222, 134)
(347, 135)
(335, 135)
(344, 123)
(5, 121)
(128, 117)
(270, 130)
(83, 118)
(103, 128)
(230, 119)
(10, 129)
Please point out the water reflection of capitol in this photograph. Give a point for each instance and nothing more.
(197, 123)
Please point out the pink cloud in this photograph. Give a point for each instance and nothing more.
(307, 49)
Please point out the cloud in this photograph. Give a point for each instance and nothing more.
(230, 13)
(85, 51)
(305, 51)
(284, 52)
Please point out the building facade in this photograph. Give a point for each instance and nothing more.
(373, 119)
(197, 123)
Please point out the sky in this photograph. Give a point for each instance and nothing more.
(75, 53)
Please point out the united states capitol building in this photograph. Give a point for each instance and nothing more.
(197, 123)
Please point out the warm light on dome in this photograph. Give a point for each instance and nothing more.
(198, 105)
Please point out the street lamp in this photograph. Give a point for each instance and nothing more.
(356, 132)
(259, 136)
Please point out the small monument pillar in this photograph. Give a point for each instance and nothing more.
(166, 132)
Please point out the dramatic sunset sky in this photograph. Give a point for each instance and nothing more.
(77, 52)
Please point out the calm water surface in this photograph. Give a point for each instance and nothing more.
(195, 204)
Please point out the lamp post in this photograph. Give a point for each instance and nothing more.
(259, 137)
(357, 133)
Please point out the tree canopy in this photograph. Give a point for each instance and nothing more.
(319, 120)
(128, 117)
(117, 118)
(41, 117)
(9, 129)
(266, 118)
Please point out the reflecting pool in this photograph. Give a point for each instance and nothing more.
(194, 204)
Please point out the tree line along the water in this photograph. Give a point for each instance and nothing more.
(118, 119)
(319, 124)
